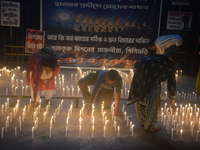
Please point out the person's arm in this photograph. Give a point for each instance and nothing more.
(117, 103)
(92, 99)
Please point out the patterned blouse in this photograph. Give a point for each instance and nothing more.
(148, 71)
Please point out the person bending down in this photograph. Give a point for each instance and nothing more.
(104, 82)
(145, 88)
(41, 72)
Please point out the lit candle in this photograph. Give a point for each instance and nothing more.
(15, 131)
(33, 128)
(199, 124)
(66, 130)
(118, 130)
(2, 110)
(192, 130)
(50, 132)
(186, 119)
(5, 107)
(181, 132)
(132, 129)
(23, 90)
(93, 131)
(177, 129)
(127, 121)
(130, 126)
(182, 124)
(71, 76)
(15, 90)
(115, 125)
(104, 131)
(11, 117)
(26, 89)
(20, 124)
(79, 131)
(8, 102)
(165, 107)
(197, 136)
(172, 137)
(51, 122)
(125, 115)
(123, 109)
(2, 131)
(44, 116)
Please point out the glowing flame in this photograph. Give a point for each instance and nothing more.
(90, 21)
(78, 17)
(139, 26)
(97, 21)
(118, 20)
(133, 24)
(127, 24)
(104, 22)
(144, 24)
(85, 19)
(110, 23)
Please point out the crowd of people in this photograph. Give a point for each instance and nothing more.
(145, 88)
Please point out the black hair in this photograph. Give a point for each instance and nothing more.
(49, 62)
(112, 75)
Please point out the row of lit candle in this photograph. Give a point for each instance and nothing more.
(179, 119)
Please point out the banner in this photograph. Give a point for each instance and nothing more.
(179, 21)
(10, 13)
(34, 40)
(100, 33)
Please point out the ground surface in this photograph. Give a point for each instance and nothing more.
(140, 139)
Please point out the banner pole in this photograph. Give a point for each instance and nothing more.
(41, 15)
(160, 18)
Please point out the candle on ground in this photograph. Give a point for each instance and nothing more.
(118, 131)
(197, 136)
(104, 131)
(33, 129)
(2, 132)
(181, 133)
(132, 129)
(172, 131)
(93, 131)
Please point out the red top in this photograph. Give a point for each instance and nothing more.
(34, 65)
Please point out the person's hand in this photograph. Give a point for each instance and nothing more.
(118, 114)
(174, 107)
(89, 111)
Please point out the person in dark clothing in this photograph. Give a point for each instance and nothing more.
(145, 88)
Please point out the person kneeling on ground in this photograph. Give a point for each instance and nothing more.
(145, 88)
(42, 68)
(104, 82)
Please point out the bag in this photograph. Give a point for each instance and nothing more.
(48, 52)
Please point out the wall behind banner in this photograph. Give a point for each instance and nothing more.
(100, 34)
(12, 45)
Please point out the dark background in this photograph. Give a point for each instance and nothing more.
(12, 39)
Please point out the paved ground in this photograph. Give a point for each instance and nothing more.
(58, 140)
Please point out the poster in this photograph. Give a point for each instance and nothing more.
(34, 40)
(179, 21)
(100, 33)
(10, 13)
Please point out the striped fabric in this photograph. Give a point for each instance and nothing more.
(164, 42)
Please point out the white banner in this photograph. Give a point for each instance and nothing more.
(10, 13)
